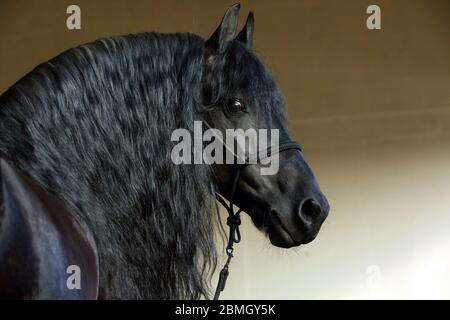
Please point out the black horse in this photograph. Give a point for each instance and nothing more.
(87, 177)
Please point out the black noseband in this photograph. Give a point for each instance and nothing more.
(270, 151)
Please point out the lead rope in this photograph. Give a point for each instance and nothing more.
(233, 222)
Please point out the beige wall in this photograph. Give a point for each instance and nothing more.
(372, 109)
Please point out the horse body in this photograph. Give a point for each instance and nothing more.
(39, 241)
(93, 127)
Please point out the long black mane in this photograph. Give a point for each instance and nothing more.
(93, 125)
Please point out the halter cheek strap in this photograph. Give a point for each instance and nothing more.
(234, 219)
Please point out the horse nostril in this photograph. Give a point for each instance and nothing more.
(310, 211)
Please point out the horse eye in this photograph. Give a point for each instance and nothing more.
(235, 105)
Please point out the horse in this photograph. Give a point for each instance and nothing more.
(87, 178)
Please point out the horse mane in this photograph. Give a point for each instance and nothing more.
(93, 125)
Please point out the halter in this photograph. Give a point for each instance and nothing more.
(234, 219)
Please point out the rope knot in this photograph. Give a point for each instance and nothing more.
(234, 220)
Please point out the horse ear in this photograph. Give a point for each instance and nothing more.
(246, 34)
(226, 31)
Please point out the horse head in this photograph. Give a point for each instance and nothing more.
(241, 93)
